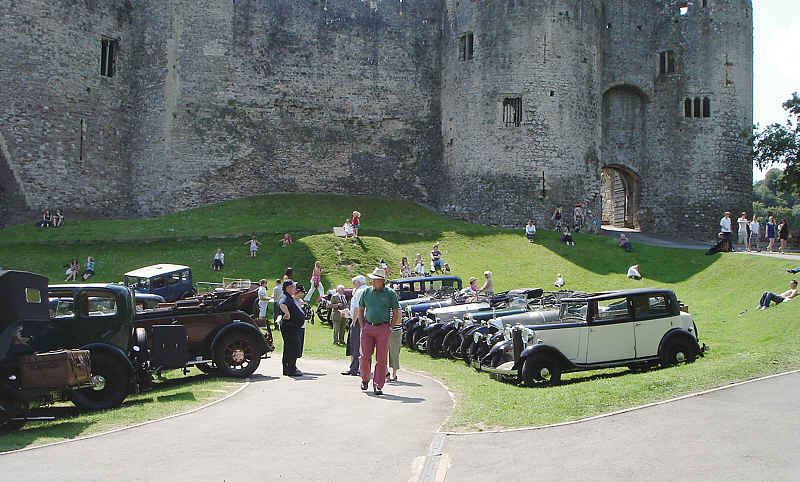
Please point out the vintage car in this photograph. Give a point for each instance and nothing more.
(172, 281)
(127, 347)
(30, 379)
(422, 286)
(637, 328)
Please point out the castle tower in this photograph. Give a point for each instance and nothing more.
(520, 107)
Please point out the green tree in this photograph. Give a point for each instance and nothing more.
(780, 144)
(766, 191)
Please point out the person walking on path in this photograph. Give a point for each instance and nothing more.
(378, 313)
(356, 222)
(292, 319)
(768, 296)
(395, 340)
(253, 246)
(219, 260)
(783, 235)
(338, 319)
(742, 232)
(354, 340)
(771, 231)
(725, 229)
(530, 231)
(276, 295)
(755, 231)
(316, 282)
(263, 300)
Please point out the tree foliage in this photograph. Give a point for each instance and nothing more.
(768, 194)
(780, 144)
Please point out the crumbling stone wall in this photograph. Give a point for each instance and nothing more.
(492, 111)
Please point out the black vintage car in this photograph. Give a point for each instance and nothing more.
(29, 379)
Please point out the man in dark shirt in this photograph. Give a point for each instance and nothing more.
(378, 313)
(436, 259)
(292, 320)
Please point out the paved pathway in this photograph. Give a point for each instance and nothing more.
(748, 432)
(277, 428)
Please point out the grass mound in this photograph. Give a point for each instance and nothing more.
(722, 291)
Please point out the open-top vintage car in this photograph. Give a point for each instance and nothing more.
(29, 378)
(636, 328)
(425, 286)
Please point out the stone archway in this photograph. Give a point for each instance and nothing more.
(620, 190)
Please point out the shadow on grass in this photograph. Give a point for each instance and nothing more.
(601, 255)
(30, 435)
(183, 396)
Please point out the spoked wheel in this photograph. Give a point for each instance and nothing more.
(451, 345)
(435, 345)
(422, 344)
(324, 311)
(237, 355)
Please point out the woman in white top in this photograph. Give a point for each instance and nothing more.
(755, 232)
(348, 228)
(253, 246)
(219, 260)
(530, 231)
(263, 299)
(743, 222)
(419, 268)
(633, 272)
(488, 285)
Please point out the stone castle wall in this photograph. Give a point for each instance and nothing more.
(213, 100)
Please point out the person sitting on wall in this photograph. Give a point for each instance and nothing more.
(530, 231)
(566, 237)
(633, 272)
(624, 243)
(768, 296)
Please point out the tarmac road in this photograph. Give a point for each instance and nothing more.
(748, 432)
(318, 427)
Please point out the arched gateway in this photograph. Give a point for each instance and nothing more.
(620, 191)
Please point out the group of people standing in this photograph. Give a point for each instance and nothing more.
(750, 232)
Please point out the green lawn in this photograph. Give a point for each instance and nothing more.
(176, 393)
(721, 291)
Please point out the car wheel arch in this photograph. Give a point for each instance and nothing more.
(675, 334)
(544, 351)
(111, 350)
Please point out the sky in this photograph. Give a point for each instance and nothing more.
(776, 63)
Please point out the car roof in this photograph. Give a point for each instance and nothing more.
(155, 270)
(424, 278)
(607, 295)
(111, 286)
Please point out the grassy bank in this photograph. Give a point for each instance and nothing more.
(721, 290)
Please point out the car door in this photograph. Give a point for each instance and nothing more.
(611, 332)
(652, 313)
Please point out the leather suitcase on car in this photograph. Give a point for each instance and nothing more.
(55, 369)
(169, 347)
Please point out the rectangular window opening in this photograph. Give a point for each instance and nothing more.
(512, 111)
(462, 48)
(666, 62)
(706, 107)
(470, 46)
(683, 10)
(670, 62)
(108, 51)
(697, 106)
(687, 108)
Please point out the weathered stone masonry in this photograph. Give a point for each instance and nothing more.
(468, 106)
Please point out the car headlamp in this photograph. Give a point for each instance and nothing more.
(476, 337)
(507, 333)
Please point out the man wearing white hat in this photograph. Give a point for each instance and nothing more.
(378, 313)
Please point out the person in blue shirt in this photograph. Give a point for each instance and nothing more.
(88, 272)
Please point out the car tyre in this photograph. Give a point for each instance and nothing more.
(237, 354)
(677, 351)
(540, 371)
(435, 345)
(416, 336)
(451, 344)
(117, 382)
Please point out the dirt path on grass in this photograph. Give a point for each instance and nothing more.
(317, 427)
(747, 432)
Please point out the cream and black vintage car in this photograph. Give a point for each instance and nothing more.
(636, 328)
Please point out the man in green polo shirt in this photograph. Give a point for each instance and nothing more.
(378, 312)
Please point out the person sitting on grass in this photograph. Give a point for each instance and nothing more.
(796, 270)
(566, 237)
(219, 260)
(559, 283)
(286, 241)
(419, 268)
(768, 296)
(348, 228)
(405, 268)
(89, 271)
(436, 259)
(72, 270)
(633, 272)
(624, 243)
(530, 231)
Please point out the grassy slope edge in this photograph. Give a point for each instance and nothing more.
(721, 291)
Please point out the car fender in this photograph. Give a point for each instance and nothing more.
(434, 329)
(544, 350)
(677, 334)
(111, 350)
(499, 346)
(238, 325)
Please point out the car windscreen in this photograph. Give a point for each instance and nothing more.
(137, 283)
(574, 312)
